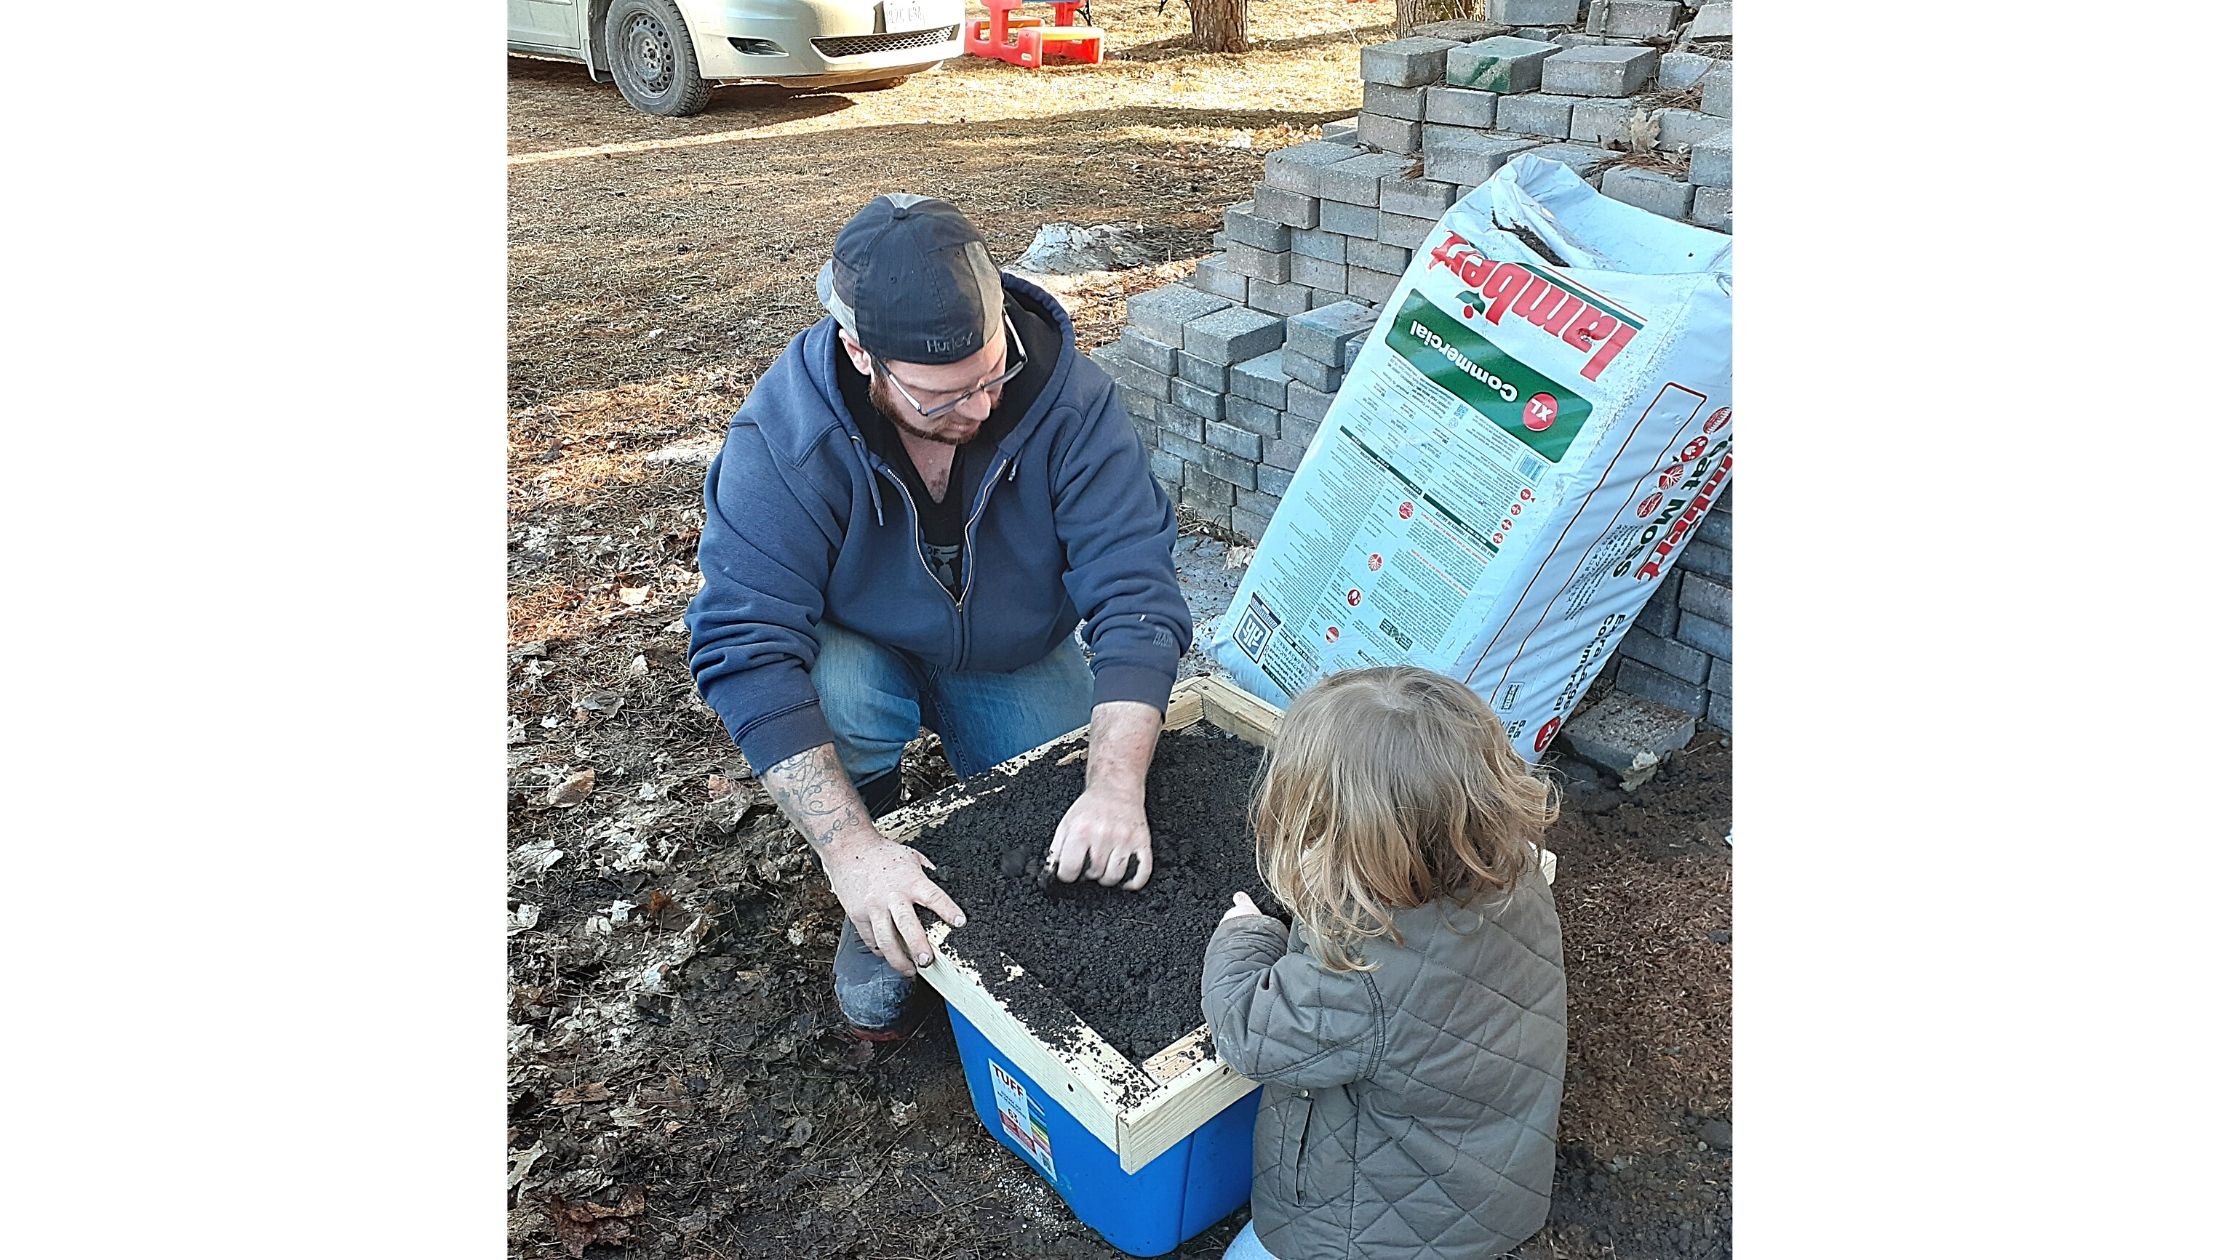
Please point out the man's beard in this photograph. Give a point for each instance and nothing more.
(887, 407)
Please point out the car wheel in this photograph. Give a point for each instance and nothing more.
(649, 53)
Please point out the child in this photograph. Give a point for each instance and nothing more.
(1409, 1026)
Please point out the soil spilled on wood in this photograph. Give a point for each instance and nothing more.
(1126, 963)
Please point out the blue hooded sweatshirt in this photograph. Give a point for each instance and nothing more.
(806, 522)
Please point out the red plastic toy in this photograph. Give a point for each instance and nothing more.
(1025, 41)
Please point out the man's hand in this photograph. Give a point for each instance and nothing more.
(1097, 837)
(881, 884)
(1240, 907)
(1106, 828)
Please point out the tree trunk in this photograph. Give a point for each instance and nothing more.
(1408, 15)
(1218, 25)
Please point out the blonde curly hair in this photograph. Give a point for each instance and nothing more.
(1388, 789)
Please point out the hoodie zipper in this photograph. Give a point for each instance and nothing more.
(917, 544)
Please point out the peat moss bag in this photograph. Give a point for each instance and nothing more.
(1538, 418)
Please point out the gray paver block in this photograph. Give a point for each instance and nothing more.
(1250, 416)
(1414, 195)
(1461, 29)
(1322, 333)
(1137, 404)
(1274, 480)
(1252, 229)
(1711, 164)
(1391, 135)
(1324, 297)
(1411, 62)
(1593, 122)
(1293, 168)
(1686, 128)
(1393, 102)
(1705, 635)
(1139, 376)
(1470, 162)
(1718, 712)
(1662, 613)
(1713, 21)
(1629, 736)
(1654, 684)
(1709, 559)
(1248, 523)
(1239, 442)
(1632, 19)
(1677, 70)
(1235, 469)
(1300, 366)
(1689, 665)
(1205, 490)
(1354, 181)
(1203, 373)
(1320, 274)
(1457, 107)
(1404, 232)
(1370, 285)
(1718, 90)
(1216, 279)
(1536, 114)
(1353, 351)
(1307, 404)
(1339, 130)
(1533, 12)
(1713, 208)
(1232, 336)
(1714, 527)
(1653, 191)
(1278, 298)
(1317, 243)
(1282, 205)
(1347, 219)
(1204, 402)
(1707, 597)
(1166, 466)
(1301, 426)
(1256, 264)
(1501, 64)
(1162, 312)
(1610, 71)
(1392, 260)
(1284, 455)
(1261, 380)
(1179, 421)
(1141, 346)
(1721, 681)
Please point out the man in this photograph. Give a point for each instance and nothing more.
(913, 511)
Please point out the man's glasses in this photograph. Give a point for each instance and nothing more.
(935, 413)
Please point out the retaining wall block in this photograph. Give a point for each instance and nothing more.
(1415, 196)
(1232, 335)
(1653, 191)
(1413, 62)
(1294, 168)
(1403, 103)
(1617, 70)
(1162, 312)
(1282, 205)
(1502, 64)
(1277, 298)
(1354, 181)
(1650, 683)
(1536, 114)
(1261, 380)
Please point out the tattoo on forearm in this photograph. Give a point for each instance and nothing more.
(815, 795)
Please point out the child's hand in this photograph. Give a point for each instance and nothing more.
(1243, 906)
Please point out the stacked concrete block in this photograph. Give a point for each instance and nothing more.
(1680, 650)
(1229, 378)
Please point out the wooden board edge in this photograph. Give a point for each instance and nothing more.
(1151, 1127)
(1079, 1080)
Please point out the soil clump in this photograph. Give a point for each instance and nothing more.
(1126, 963)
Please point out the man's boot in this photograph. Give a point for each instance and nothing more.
(878, 1002)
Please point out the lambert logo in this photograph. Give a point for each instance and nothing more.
(1565, 312)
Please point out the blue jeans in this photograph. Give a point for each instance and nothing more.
(875, 699)
(1246, 1246)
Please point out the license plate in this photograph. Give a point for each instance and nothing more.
(907, 15)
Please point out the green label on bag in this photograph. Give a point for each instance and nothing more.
(1526, 404)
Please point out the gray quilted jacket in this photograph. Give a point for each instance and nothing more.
(1410, 1111)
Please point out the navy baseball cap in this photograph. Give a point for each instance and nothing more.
(911, 280)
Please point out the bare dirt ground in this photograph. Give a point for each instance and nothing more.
(675, 1087)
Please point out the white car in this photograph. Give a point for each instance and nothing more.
(665, 54)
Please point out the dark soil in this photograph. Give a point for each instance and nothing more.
(1126, 963)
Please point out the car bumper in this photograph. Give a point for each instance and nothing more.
(819, 42)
